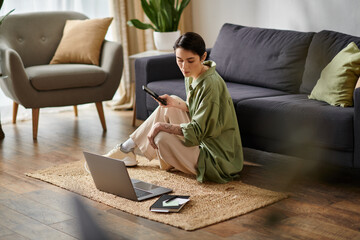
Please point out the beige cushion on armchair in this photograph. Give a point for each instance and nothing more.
(81, 41)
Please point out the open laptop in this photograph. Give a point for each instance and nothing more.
(110, 175)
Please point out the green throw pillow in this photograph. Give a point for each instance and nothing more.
(338, 79)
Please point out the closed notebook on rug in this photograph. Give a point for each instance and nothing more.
(169, 203)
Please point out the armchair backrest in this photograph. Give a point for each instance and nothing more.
(35, 36)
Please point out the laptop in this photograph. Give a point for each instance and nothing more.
(111, 176)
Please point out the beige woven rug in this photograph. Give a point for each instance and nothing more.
(210, 203)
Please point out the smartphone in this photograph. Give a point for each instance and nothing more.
(153, 94)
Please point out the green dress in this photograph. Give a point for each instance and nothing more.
(213, 127)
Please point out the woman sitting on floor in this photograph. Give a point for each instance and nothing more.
(200, 136)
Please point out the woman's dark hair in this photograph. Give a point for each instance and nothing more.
(191, 41)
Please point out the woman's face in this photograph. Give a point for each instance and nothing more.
(189, 63)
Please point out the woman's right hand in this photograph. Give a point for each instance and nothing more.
(169, 101)
(173, 102)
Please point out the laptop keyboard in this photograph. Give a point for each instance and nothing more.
(141, 193)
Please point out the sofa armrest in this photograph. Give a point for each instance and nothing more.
(156, 68)
(112, 62)
(357, 128)
(150, 69)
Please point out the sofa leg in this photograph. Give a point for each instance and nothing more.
(134, 114)
(35, 121)
(100, 110)
(75, 110)
(15, 111)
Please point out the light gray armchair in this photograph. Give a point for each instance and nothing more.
(28, 43)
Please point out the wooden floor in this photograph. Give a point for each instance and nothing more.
(323, 204)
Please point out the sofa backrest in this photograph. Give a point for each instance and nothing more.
(35, 36)
(262, 57)
(323, 48)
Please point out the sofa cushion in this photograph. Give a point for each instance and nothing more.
(241, 92)
(262, 57)
(237, 91)
(323, 48)
(338, 79)
(298, 120)
(62, 76)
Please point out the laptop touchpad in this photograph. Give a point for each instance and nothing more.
(144, 185)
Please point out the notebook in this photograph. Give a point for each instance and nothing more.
(111, 176)
(169, 203)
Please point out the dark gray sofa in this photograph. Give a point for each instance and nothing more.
(269, 74)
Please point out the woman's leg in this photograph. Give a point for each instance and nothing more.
(173, 153)
(139, 137)
(168, 115)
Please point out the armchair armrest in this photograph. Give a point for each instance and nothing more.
(112, 61)
(15, 82)
(111, 56)
(357, 128)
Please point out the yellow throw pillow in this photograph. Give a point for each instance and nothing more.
(338, 79)
(81, 41)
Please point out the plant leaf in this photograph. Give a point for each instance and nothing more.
(140, 25)
(163, 14)
(162, 27)
(171, 13)
(149, 11)
(168, 20)
(155, 5)
(183, 5)
(3, 18)
(166, 15)
(1, 3)
(180, 9)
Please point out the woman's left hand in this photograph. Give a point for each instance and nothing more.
(153, 133)
(162, 126)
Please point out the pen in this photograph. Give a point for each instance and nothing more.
(169, 199)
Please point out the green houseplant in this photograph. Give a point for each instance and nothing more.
(165, 17)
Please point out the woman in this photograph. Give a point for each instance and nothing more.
(199, 136)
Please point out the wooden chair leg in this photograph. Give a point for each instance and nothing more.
(100, 110)
(75, 110)
(15, 111)
(2, 134)
(35, 121)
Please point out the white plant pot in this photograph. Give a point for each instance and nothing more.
(164, 41)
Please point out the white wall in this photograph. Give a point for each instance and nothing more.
(301, 15)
